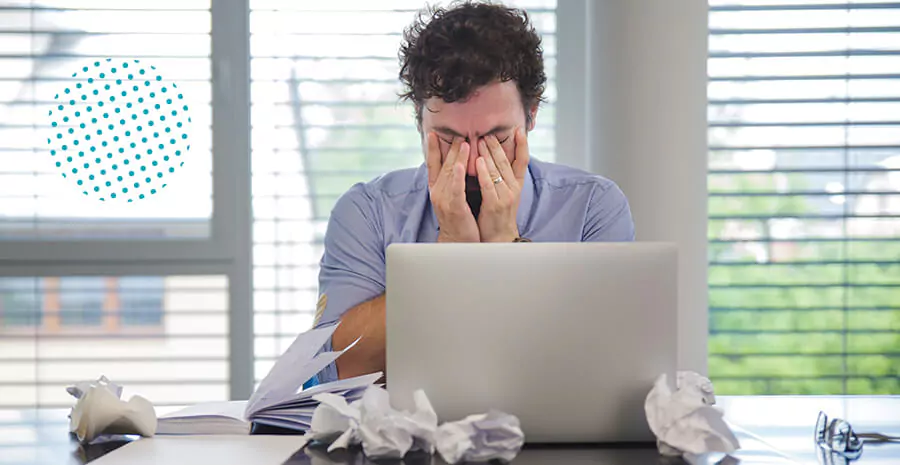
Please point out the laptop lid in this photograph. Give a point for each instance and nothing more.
(569, 337)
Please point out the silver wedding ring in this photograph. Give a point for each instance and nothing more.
(498, 179)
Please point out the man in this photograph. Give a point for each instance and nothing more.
(475, 75)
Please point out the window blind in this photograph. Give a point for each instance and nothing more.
(163, 337)
(804, 197)
(161, 334)
(42, 42)
(325, 115)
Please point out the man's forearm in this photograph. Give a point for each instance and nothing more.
(367, 320)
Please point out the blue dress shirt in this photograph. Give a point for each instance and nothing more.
(558, 204)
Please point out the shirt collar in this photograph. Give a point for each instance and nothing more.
(526, 199)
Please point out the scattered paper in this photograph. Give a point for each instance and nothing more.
(386, 433)
(278, 401)
(389, 433)
(425, 423)
(480, 438)
(101, 411)
(685, 420)
(334, 422)
(283, 380)
(383, 432)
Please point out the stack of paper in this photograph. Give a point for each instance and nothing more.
(279, 400)
(206, 418)
(296, 412)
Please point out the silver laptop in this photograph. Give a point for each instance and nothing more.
(567, 337)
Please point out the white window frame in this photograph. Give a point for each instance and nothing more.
(220, 245)
(227, 250)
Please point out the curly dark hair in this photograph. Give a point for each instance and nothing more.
(449, 53)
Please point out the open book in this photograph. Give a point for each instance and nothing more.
(279, 400)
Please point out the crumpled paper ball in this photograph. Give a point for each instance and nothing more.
(100, 411)
(78, 389)
(383, 432)
(387, 433)
(334, 422)
(684, 419)
(480, 438)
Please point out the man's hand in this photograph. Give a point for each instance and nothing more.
(501, 186)
(447, 190)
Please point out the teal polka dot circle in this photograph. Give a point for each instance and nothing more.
(144, 103)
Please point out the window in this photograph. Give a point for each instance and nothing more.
(804, 203)
(164, 337)
(137, 292)
(20, 303)
(325, 115)
(141, 301)
(41, 44)
(91, 303)
(77, 301)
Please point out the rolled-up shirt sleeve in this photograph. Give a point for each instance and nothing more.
(608, 216)
(352, 269)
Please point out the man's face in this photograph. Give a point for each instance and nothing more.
(495, 109)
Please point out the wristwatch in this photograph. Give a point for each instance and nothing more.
(521, 239)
